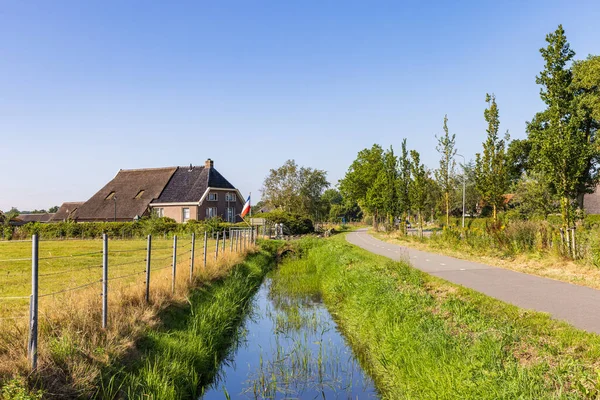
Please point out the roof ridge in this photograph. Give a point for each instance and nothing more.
(146, 169)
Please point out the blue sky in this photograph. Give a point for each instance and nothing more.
(89, 87)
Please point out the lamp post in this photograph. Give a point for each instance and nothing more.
(115, 200)
(464, 185)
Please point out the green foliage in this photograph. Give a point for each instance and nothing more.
(360, 178)
(533, 199)
(517, 159)
(15, 390)
(561, 149)
(404, 182)
(586, 81)
(295, 189)
(491, 166)
(296, 224)
(418, 186)
(445, 173)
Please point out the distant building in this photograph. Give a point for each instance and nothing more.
(181, 193)
(591, 202)
(38, 217)
(67, 211)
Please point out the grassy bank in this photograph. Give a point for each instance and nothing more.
(422, 337)
(178, 358)
(526, 253)
(73, 349)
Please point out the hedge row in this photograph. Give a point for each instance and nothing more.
(294, 224)
(94, 230)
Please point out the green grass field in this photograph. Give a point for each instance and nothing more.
(423, 337)
(68, 264)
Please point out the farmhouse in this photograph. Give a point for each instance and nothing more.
(66, 211)
(181, 193)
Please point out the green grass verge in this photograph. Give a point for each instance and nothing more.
(183, 355)
(423, 337)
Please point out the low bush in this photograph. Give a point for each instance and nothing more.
(295, 223)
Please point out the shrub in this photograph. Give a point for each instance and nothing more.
(296, 223)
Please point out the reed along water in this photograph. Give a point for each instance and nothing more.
(290, 347)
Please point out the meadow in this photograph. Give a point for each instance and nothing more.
(73, 348)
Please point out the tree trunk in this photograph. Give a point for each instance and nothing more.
(447, 209)
(421, 224)
(375, 220)
(494, 215)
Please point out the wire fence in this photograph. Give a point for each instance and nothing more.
(48, 272)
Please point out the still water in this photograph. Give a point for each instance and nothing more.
(290, 348)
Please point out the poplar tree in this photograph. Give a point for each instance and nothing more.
(560, 148)
(491, 172)
(418, 187)
(445, 173)
(404, 183)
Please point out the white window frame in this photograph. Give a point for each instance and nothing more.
(213, 197)
(211, 212)
(160, 212)
(230, 213)
(183, 212)
(230, 197)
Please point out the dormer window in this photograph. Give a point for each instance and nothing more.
(212, 197)
(110, 196)
(139, 195)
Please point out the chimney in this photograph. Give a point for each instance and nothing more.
(209, 163)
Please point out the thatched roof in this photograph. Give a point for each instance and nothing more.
(131, 190)
(66, 211)
(38, 217)
(188, 184)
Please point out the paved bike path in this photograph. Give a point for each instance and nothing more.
(578, 305)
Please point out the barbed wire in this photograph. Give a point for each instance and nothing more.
(125, 276)
(14, 297)
(16, 259)
(70, 270)
(126, 263)
(71, 289)
(158, 269)
(126, 251)
(162, 258)
(71, 255)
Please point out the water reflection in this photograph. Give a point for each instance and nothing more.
(291, 348)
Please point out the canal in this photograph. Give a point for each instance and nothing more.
(290, 347)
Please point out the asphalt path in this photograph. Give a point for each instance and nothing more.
(577, 305)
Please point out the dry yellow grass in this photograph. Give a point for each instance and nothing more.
(73, 348)
(542, 264)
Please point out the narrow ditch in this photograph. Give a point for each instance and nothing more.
(290, 347)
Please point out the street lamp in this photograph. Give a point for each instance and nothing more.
(464, 185)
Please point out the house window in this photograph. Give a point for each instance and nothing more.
(211, 212)
(110, 196)
(139, 195)
(212, 197)
(186, 214)
(229, 196)
(230, 214)
(160, 212)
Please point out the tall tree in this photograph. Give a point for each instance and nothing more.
(361, 177)
(560, 148)
(445, 173)
(404, 183)
(418, 187)
(491, 167)
(517, 158)
(295, 189)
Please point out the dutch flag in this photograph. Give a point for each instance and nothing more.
(246, 208)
